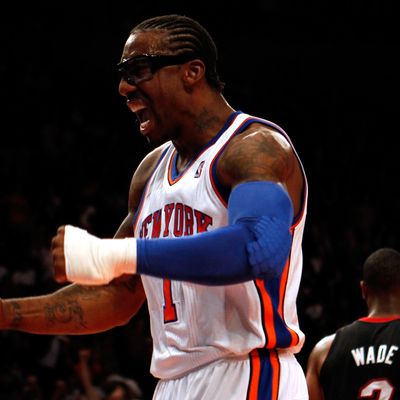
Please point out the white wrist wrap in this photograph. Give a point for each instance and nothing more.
(93, 261)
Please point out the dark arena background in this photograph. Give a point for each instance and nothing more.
(69, 145)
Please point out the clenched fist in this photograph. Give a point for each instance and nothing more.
(83, 258)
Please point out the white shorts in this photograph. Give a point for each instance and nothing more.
(267, 375)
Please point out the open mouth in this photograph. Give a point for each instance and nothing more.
(143, 117)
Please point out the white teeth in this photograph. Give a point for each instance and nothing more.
(144, 124)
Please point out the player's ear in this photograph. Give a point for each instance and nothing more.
(194, 71)
(363, 288)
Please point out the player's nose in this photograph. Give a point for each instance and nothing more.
(125, 88)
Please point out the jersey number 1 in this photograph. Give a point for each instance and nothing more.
(169, 306)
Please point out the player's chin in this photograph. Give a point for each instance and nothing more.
(155, 140)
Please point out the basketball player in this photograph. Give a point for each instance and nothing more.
(217, 211)
(362, 360)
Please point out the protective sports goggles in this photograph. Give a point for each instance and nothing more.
(142, 68)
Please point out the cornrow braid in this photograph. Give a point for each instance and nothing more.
(187, 35)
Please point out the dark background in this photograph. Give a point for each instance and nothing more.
(325, 73)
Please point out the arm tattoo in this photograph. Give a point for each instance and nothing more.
(17, 316)
(64, 313)
(255, 156)
(67, 307)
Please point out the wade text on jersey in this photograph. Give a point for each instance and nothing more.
(382, 354)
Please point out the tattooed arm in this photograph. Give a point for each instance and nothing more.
(77, 309)
(74, 309)
(261, 154)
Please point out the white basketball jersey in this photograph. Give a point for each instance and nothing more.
(194, 324)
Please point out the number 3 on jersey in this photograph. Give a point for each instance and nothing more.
(169, 306)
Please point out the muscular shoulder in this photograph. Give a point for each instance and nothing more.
(315, 361)
(142, 174)
(258, 153)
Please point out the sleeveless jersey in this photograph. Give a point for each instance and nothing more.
(192, 324)
(364, 361)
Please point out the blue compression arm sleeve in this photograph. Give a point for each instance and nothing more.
(255, 244)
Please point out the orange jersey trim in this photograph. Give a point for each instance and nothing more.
(264, 372)
(255, 372)
(269, 326)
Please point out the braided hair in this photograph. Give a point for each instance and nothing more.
(186, 35)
